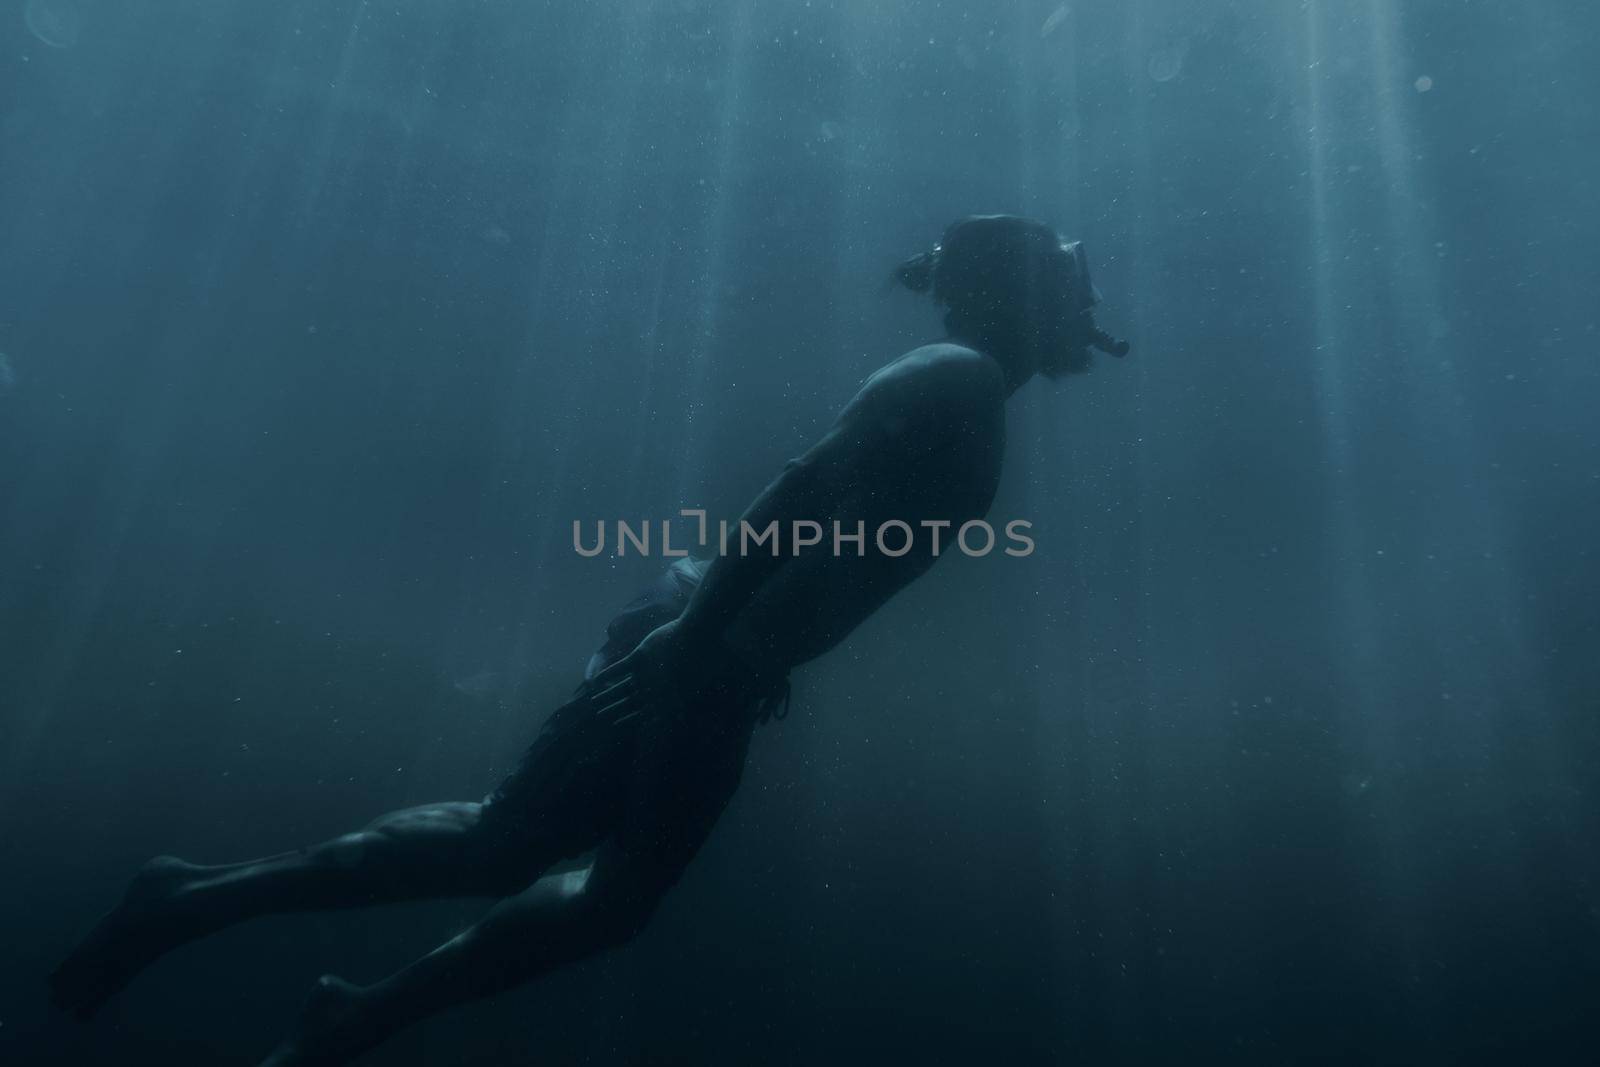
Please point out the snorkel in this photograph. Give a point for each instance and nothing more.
(1085, 294)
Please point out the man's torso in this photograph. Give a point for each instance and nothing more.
(942, 467)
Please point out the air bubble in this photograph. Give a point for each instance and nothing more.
(1166, 63)
(55, 22)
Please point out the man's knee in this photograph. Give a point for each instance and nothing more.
(447, 842)
(618, 913)
(349, 852)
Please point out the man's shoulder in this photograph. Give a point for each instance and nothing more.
(945, 367)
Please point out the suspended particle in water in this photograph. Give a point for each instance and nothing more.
(1053, 23)
(1356, 784)
(55, 22)
(1166, 63)
(829, 130)
(478, 685)
(1423, 84)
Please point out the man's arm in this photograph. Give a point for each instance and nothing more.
(807, 489)
(904, 409)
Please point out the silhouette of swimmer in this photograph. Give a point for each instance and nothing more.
(636, 769)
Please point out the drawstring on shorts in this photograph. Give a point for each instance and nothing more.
(775, 705)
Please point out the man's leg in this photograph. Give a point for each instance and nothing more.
(430, 851)
(558, 920)
(682, 775)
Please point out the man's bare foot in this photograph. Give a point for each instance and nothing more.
(127, 939)
(336, 1024)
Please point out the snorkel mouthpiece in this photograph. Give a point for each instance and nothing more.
(1111, 346)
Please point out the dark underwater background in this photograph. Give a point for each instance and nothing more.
(323, 321)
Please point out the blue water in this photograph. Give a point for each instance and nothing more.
(321, 322)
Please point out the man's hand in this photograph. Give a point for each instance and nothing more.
(669, 666)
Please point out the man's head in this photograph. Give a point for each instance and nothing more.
(1014, 288)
